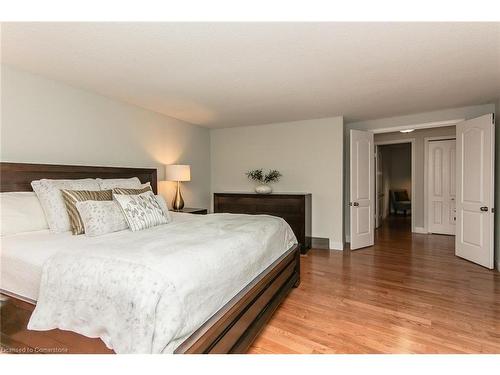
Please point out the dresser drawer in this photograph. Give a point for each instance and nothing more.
(239, 205)
(280, 206)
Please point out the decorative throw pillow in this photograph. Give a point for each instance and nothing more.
(101, 217)
(111, 183)
(141, 190)
(146, 187)
(164, 207)
(141, 211)
(70, 198)
(51, 200)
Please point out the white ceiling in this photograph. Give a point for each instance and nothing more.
(234, 74)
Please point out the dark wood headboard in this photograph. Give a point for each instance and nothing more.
(18, 176)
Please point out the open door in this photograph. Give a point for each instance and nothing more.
(475, 190)
(362, 189)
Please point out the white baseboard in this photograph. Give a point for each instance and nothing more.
(420, 230)
(335, 245)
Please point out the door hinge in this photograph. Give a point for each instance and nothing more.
(492, 210)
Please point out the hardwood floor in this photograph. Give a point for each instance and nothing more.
(17, 339)
(407, 294)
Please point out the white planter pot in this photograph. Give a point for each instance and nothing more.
(263, 189)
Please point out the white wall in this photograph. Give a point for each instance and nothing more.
(45, 121)
(418, 118)
(308, 154)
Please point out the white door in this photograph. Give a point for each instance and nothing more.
(362, 189)
(441, 188)
(475, 190)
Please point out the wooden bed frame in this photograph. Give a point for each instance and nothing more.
(230, 330)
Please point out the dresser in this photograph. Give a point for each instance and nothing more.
(294, 208)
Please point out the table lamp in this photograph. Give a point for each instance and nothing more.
(178, 173)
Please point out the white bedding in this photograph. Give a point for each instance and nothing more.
(147, 291)
(22, 257)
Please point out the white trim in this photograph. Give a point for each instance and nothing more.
(395, 141)
(420, 230)
(336, 245)
(426, 125)
(413, 166)
(426, 173)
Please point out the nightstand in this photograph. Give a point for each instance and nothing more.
(190, 210)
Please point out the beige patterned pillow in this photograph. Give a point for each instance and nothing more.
(132, 191)
(49, 194)
(145, 188)
(101, 217)
(111, 183)
(141, 211)
(70, 198)
(164, 207)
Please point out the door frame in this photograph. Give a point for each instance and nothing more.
(426, 174)
(411, 141)
(424, 125)
(375, 170)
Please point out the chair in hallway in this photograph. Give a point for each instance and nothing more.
(400, 201)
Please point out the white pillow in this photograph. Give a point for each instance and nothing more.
(21, 212)
(101, 217)
(124, 183)
(141, 211)
(164, 207)
(50, 196)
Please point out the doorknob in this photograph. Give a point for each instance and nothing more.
(356, 204)
(484, 209)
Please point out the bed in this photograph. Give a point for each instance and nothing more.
(235, 308)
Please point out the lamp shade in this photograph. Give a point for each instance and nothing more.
(177, 172)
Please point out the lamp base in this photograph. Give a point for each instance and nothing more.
(178, 202)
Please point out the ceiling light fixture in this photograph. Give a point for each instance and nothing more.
(406, 131)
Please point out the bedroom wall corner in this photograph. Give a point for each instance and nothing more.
(308, 153)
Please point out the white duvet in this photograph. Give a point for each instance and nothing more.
(147, 291)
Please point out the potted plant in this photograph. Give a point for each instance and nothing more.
(264, 180)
